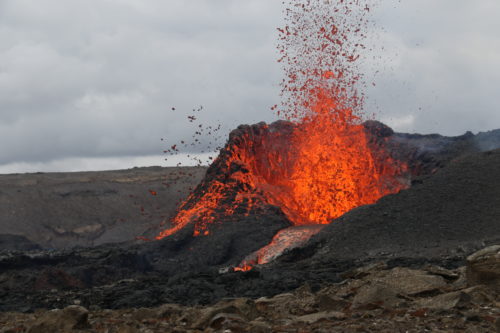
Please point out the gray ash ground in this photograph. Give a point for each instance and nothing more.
(451, 210)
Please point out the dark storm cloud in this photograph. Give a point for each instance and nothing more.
(97, 78)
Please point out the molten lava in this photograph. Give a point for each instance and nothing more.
(319, 164)
(285, 239)
(330, 167)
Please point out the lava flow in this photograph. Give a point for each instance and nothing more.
(318, 163)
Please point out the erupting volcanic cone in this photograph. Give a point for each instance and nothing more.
(320, 163)
(258, 169)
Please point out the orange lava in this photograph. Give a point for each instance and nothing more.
(203, 211)
(331, 167)
(243, 268)
(284, 240)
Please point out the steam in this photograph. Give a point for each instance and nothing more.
(486, 141)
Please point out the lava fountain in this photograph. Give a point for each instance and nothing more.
(319, 162)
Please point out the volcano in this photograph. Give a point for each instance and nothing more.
(258, 170)
(321, 161)
(259, 167)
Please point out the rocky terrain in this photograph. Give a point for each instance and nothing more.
(373, 298)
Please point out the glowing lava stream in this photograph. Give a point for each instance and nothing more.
(285, 239)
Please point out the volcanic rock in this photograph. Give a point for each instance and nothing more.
(68, 319)
(376, 295)
(480, 294)
(447, 274)
(17, 243)
(51, 278)
(168, 310)
(391, 288)
(227, 310)
(228, 321)
(410, 282)
(446, 301)
(288, 304)
(319, 316)
(483, 267)
(328, 302)
(360, 272)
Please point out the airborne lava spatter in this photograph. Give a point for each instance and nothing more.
(320, 165)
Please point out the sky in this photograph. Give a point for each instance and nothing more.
(90, 84)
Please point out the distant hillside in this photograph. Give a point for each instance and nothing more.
(91, 208)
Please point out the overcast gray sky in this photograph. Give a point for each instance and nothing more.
(89, 84)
